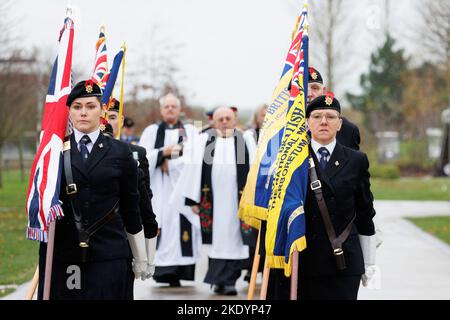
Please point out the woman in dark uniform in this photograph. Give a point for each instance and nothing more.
(91, 252)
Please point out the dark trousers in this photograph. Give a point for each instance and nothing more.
(313, 288)
(329, 288)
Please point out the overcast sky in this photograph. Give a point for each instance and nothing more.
(232, 51)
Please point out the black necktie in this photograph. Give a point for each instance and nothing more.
(324, 153)
(83, 148)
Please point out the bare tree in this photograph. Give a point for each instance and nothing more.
(158, 74)
(6, 28)
(435, 34)
(331, 31)
(18, 84)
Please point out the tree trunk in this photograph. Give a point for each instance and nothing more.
(1, 165)
(21, 160)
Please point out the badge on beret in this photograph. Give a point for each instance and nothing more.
(329, 98)
(313, 73)
(89, 86)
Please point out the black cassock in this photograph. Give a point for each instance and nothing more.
(222, 271)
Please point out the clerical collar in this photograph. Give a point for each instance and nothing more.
(172, 126)
(92, 135)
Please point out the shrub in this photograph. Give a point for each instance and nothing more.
(384, 171)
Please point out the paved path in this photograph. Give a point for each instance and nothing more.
(414, 265)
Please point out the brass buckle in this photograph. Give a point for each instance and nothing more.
(71, 189)
(316, 185)
(84, 245)
(338, 251)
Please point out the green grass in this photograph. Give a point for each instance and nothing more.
(18, 256)
(13, 194)
(437, 226)
(411, 189)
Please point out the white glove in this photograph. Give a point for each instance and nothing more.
(137, 245)
(150, 245)
(372, 277)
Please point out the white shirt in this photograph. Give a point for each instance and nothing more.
(330, 147)
(93, 136)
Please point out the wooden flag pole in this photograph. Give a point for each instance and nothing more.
(121, 91)
(49, 260)
(265, 281)
(294, 275)
(255, 267)
(33, 285)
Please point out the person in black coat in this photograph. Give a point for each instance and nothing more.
(344, 176)
(345, 179)
(348, 135)
(106, 196)
(147, 215)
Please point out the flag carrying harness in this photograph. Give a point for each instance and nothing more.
(336, 242)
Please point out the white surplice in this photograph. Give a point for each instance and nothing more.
(167, 215)
(227, 239)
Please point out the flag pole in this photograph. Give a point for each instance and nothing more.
(294, 275)
(49, 260)
(121, 91)
(265, 281)
(33, 286)
(255, 267)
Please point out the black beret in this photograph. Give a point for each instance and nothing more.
(314, 76)
(128, 122)
(327, 101)
(85, 88)
(210, 113)
(108, 130)
(114, 105)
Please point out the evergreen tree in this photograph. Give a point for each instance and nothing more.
(382, 87)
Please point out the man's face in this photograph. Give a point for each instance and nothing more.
(113, 120)
(170, 111)
(315, 89)
(85, 114)
(260, 117)
(324, 124)
(224, 121)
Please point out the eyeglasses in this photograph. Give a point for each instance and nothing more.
(317, 117)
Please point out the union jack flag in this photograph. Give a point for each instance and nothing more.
(100, 75)
(43, 205)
